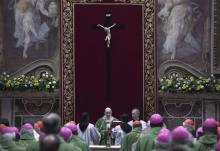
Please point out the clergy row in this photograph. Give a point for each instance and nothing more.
(81, 135)
(135, 135)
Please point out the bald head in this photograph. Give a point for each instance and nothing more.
(51, 123)
(108, 109)
(49, 143)
(108, 112)
(135, 114)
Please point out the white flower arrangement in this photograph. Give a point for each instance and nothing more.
(43, 82)
(189, 84)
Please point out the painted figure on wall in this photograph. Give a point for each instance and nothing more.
(29, 27)
(178, 17)
(183, 25)
(30, 33)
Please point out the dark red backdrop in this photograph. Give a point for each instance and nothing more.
(126, 60)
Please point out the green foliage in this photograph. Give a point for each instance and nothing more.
(43, 82)
(189, 84)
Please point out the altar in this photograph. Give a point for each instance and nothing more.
(104, 148)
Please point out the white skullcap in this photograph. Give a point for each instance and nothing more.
(108, 109)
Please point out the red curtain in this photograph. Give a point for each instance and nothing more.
(126, 59)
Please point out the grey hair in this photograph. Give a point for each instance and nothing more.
(24, 130)
(8, 136)
(136, 109)
(108, 109)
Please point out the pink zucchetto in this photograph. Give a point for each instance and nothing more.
(15, 129)
(156, 119)
(71, 126)
(8, 130)
(27, 126)
(210, 122)
(180, 133)
(66, 133)
(164, 130)
(199, 131)
(163, 137)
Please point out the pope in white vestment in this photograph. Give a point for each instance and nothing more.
(104, 124)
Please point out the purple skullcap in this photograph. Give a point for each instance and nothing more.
(164, 130)
(27, 126)
(163, 138)
(180, 133)
(8, 130)
(199, 130)
(210, 122)
(71, 126)
(65, 133)
(217, 146)
(15, 129)
(156, 119)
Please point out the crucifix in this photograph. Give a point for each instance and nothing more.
(107, 26)
(108, 33)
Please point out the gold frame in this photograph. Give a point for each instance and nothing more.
(67, 56)
(215, 55)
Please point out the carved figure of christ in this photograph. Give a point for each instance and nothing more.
(108, 33)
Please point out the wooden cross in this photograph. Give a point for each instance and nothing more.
(107, 41)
